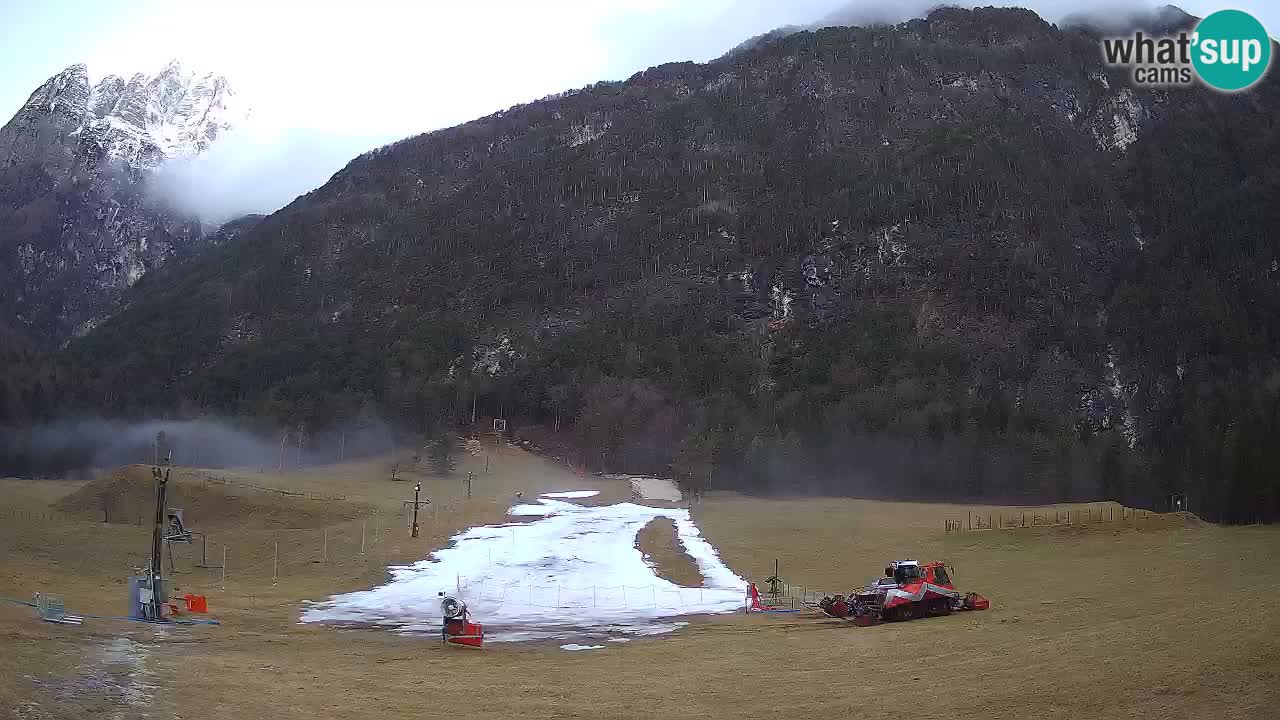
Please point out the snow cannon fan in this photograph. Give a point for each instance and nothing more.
(452, 608)
(457, 628)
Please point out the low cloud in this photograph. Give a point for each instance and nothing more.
(1104, 13)
(83, 445)
(256, 171)
(1068, 12)
(880, 13)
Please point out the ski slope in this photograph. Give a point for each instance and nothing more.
(568, 571)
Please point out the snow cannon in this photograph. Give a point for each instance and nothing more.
(908, 590)
(458, 628)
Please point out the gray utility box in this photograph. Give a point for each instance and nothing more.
(140, 597)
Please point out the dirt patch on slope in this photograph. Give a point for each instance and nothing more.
(662, 549)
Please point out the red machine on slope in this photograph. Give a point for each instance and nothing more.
(458, 628)
(908, 590)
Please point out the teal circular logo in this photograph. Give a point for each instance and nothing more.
(1230, 50)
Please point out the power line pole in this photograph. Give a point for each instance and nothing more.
(284, 437)
(301, 432)
(156, 579)
(417, 488)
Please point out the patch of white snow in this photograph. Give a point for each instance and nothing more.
(586, 132)
(651, 488)
(572, 570)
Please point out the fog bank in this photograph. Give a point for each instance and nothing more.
(78, 447)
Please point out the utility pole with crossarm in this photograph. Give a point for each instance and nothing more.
(417, 488)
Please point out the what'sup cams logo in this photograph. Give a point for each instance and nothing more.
(1228, 51)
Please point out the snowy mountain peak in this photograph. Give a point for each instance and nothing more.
(142, 123)
(105, 95)
(86, 214)
(63, 96)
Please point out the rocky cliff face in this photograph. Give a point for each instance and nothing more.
(78, 221)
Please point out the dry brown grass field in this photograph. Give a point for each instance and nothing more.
(1156, 617)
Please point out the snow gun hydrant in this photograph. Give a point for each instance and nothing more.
(908, 590)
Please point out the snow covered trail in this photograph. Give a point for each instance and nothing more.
(573, 571)
(651, 488)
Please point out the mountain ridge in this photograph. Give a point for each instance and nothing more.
(77, 165)
(954, 257)
(142, 123)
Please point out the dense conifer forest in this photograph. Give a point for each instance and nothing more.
(954, 258)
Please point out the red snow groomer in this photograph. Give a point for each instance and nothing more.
(908, 590)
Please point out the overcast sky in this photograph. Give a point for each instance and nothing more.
(328, 80)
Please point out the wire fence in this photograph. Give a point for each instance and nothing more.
(1219, 518)
(976, 521)
(210, 478)
(254, 561)
(795, 597)
(606, 597)
(50, 516)
(371, 541)
(266, 558)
